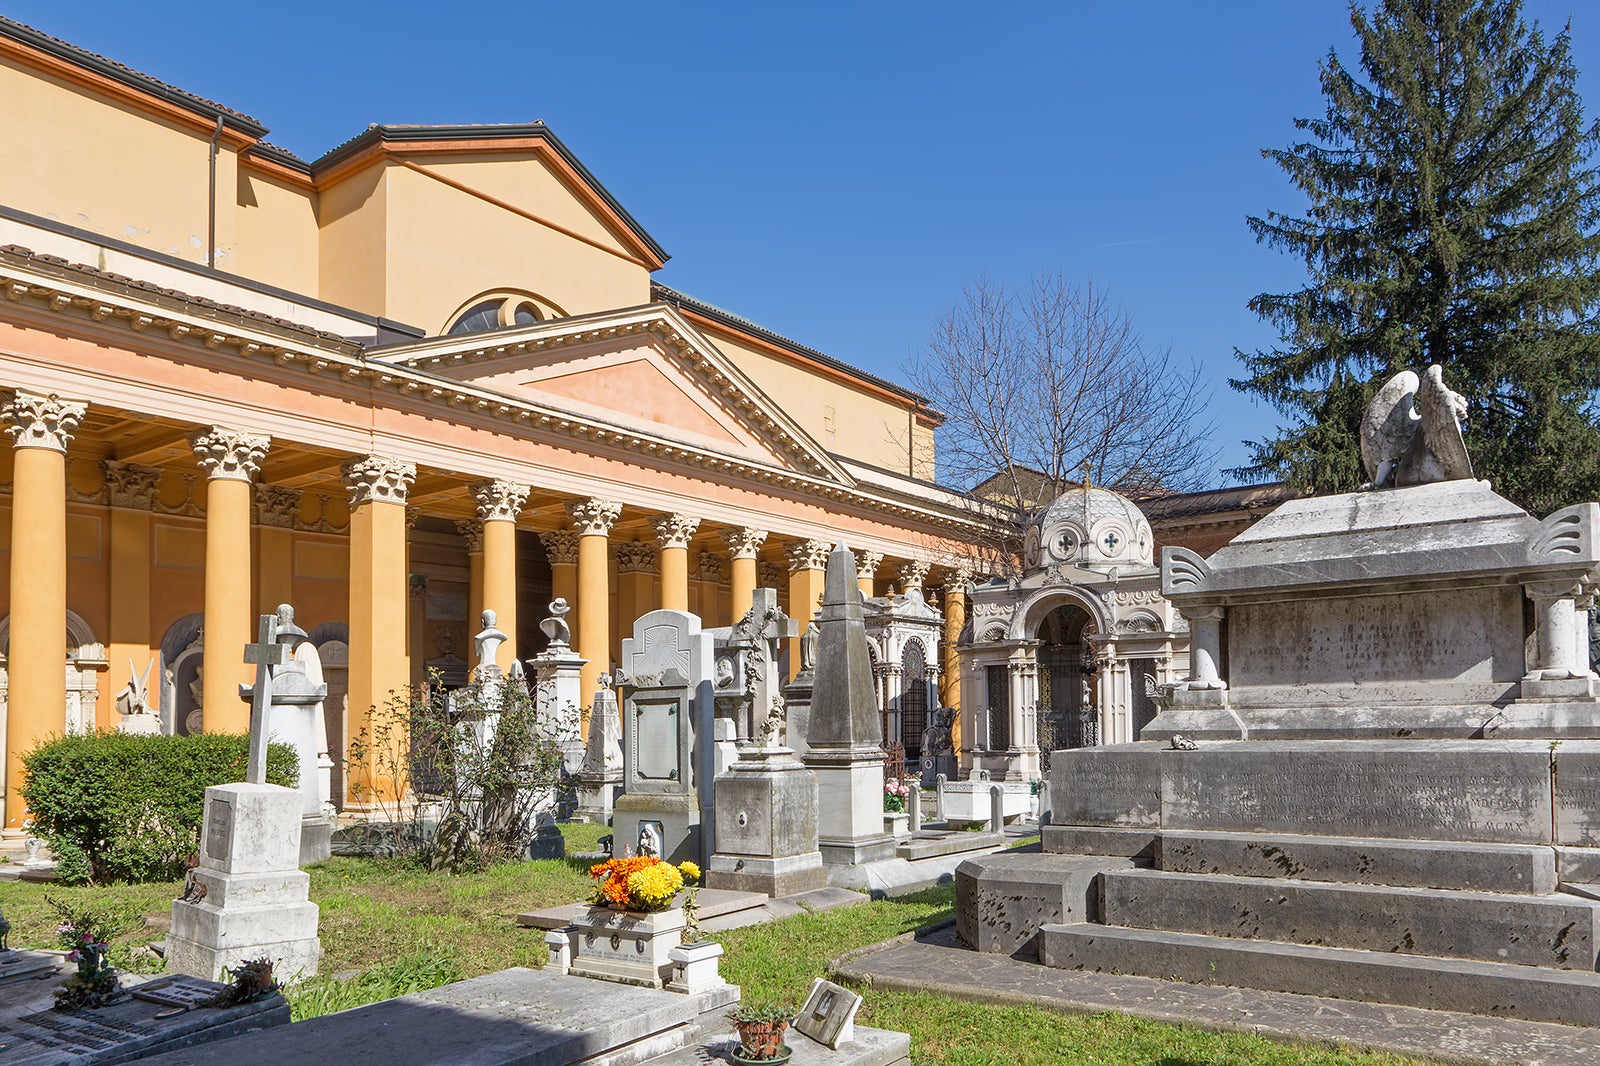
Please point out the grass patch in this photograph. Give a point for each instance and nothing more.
(778, 961)
(583, 836)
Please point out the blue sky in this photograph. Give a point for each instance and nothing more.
(837, 172)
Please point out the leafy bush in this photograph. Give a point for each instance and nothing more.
(120, 807)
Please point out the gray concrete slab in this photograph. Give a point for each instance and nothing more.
(1556, 930)
(935, 961)
(932, 844)
(1098, 840)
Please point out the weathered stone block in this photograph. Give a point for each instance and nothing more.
(1119, 784)
(1098, 840)
(1002, 900)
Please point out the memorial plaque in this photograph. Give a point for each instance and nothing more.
(1113, 785)
(655, 738)
(219, 828)
(1410, 790)
(829, 1013)
(1577, 794)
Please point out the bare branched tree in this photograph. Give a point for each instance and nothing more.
(1043, 387)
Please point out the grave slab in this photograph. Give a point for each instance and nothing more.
(714, 903)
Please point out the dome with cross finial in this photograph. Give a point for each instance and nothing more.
(1090, 526)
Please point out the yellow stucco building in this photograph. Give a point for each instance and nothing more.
(425, 374)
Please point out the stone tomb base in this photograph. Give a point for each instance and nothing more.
(1450, 874)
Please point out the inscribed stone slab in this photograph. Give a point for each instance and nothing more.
(1115, 785)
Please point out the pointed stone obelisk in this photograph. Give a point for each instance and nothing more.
(844, 738)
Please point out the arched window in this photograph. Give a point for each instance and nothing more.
(913, 699)
(478, 318)
(500, 310)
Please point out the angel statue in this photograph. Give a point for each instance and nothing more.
(1411, 431)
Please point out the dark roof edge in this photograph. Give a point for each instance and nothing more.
(377, 321)
(33, 38)
(379, 133)
(728, 318)
(281, 156)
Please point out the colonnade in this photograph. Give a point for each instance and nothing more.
(382, 599)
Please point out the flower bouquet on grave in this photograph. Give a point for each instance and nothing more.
(895, 792)
(86, 934)
(642, 883)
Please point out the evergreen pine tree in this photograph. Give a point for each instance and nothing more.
(1452, 219)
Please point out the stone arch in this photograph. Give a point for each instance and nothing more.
(1031, 613)
(85, 662)
(182, 660)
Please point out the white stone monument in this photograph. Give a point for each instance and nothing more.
(134, 713)
(248, 898)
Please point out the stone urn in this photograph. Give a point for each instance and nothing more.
(631, 947)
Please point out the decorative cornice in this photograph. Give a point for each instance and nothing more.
(636, 557)
(594, 517)
(277, 506)
(560, 547)
(912, 574)
(499, 500)
(807, 554)
(744, 543)
(471, 531)
(867, 562)
(711, 568)
(35, 420)
(229, 454)
(378, 479)
(674, 530)
(131, 485)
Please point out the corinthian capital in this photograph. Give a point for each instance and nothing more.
(912, 575)
(807, 554)
(674, 530)
(744, 543)
(131, 484)
(277, 506)
(560, 546)
(378, 479)
(471, 531)
(594, 517)
(229, 453)
(711, 568)
(867, 562)
(636, 557)
(38, 421)
(499, 501)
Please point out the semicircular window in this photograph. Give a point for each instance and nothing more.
(479, 317)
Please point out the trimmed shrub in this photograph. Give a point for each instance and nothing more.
(130, 806)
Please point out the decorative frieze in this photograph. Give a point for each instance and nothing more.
(229, 454)
(499, 501)
(560, 547)
(636, 557)
(40, 421)
(744, 543)
(131, 485)
(711, 568)
(674, 530)
(912, 574)
(867, 562)
(277, 506)
(378, 479)
(594, 517)
(471, 531)
(807, 554)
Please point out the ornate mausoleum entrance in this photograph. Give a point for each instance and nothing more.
(1068, 717)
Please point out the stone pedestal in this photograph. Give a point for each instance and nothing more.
(600, 780)
(255, 896)
(767, 826)
(695, 968)
(626, 946)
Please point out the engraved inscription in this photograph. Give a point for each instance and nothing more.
(219, 828)
(656, 741)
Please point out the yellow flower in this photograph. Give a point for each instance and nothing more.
(652, 888)
(690, 871)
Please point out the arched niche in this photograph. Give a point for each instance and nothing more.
(85, 662)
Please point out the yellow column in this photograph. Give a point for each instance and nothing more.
(593, 519)
(499, 503)
(636, 581)
(743, 546)
(561, 551)
(808, 562)
(276, 508)
(955, 620)
(378, 600)
(674, 532)
(41, 427)
(230, 459)
(132, 488)
(471, 531)
(867, 563)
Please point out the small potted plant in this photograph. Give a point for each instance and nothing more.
(761, 1027)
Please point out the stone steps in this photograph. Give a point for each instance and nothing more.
(1551, 930)
(1516, 868)
(1505, 990)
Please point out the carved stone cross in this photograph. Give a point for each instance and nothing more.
(765, 627)
(265, 653)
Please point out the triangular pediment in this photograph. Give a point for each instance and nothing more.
(646, 370)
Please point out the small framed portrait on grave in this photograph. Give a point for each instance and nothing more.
(828, 1016)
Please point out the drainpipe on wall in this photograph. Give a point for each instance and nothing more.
(211, 198)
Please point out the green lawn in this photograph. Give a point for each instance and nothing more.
(387, 930)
